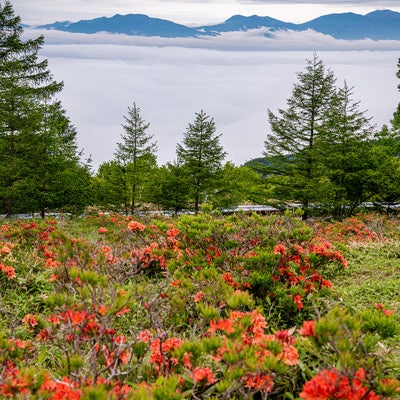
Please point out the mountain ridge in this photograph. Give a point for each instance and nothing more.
(376, 25)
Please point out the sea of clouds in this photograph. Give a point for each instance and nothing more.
(234, 78)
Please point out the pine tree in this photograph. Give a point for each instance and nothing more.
(136, 154)
(59, 177)
(25, 85)
(290, 147)
(344, 148)
(202, 154)
(387, 158)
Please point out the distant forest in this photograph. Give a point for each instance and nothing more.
(321, 152)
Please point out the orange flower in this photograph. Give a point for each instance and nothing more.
(263, 382)
(203, 374)
(333, 384)
(289, 355)
(74, 317)
(30, 320)
(102, 229)
(298, 300)
(136, 226)
(43, 335)
(5, 250)
(54, 319)
(123, 311)
(222, 325)
(280, 249)
(9, 271)
(381, 307)
(308, 328)
(187, 361)
(198, 296)
(144, 336)
(102, 310)
(124, 357)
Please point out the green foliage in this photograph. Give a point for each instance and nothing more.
(344, 149)
(40, 167)
(290, 147)
(122, 181)
(202, 156)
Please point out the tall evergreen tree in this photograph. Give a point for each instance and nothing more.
(25, 85)
(58, 176)
(290, 147)
(202, 154)
(344, 149)
(387, 157)
(136, 153)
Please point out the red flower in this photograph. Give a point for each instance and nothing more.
(262, 382)
(123, 311)
(44, 334)
(298, 300)
(102, 229)
(280, 249)
(102, 310)
(30, 320)
(136, 226)
(308, 328)
(9, 271)
(222, 325)
(124, 357)
(203, 374)
(74, 317)
(333, 384)
(198, 296)
(144, 336)
(187, 361)
(289, 355)
(381, 307)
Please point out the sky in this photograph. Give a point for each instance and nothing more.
(191, 11)
(234, 78)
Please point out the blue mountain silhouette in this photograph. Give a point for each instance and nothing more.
(377, 25)
(131, 24)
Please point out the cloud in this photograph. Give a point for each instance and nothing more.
(171, 80)
(251, 40)
(359, 3)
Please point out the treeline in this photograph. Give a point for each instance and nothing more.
(322, 151)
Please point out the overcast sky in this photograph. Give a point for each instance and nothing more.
(192, 11)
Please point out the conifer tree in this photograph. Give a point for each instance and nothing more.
(136, 153)
(344, 149)
(202, 154)
(25, 85)
(290, 146)
(60, 179)
(387, 159)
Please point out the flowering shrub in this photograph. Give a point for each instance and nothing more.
(333, 384)
(115, 307)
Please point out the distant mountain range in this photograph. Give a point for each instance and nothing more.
(377, 25)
